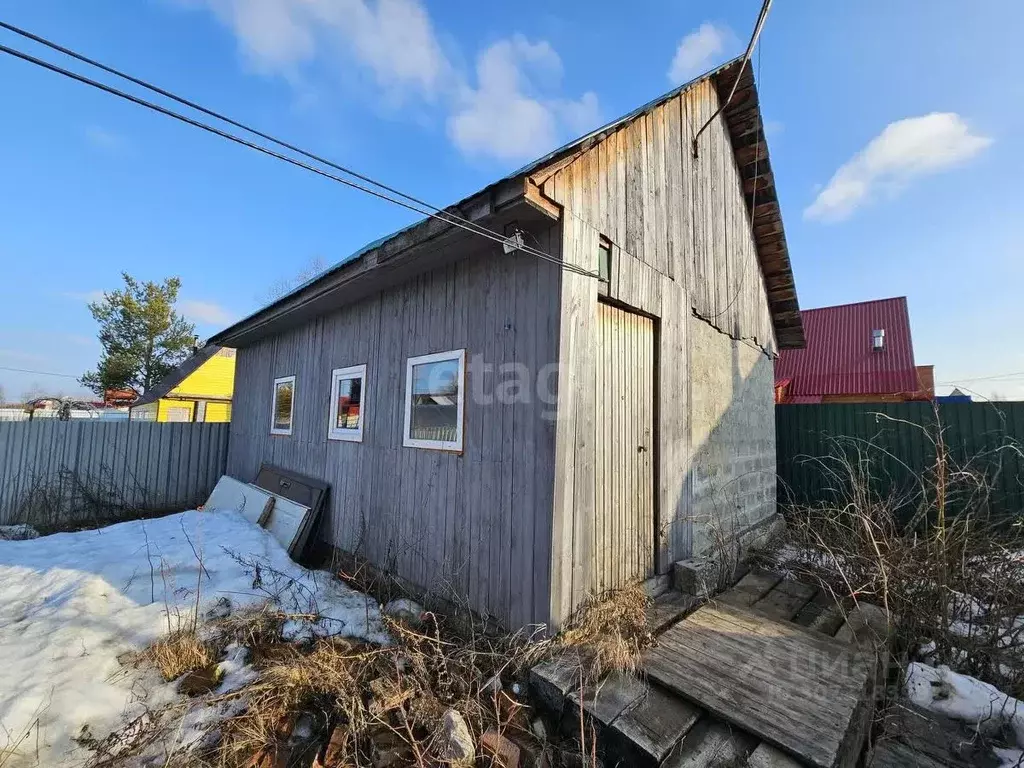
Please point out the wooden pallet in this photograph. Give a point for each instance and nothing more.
(798, 690)
(644, 722)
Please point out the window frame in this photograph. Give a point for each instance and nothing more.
(334, 432)
(453, 446)
(604, 283)
(274, 430)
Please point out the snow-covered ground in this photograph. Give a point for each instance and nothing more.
(72, 603)
(978, 704)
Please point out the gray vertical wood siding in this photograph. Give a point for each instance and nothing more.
(46, 465)
(623, 551)
(473, 528)
(682, 249)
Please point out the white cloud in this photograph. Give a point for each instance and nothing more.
(205, 312)
(507, 116)
(393, 38)
(514, 111)
(698, 51)
(904, 150)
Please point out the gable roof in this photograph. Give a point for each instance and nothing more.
(839, 359)
(743, 120)
(178, 375)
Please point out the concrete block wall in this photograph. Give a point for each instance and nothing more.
(732, 428)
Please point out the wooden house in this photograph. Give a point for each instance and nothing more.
(534, 429)
(199, 389)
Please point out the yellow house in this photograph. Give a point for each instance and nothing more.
(197, 390)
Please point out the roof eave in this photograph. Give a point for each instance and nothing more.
(746, 131)
(400, 256)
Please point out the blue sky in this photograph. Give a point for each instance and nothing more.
(894, 130)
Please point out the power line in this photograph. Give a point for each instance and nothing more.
(984, 378)
(414, 205)
(761, 18)
(38, 373)
(249, 129)
(753, 198)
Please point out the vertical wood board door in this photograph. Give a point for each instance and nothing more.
(623, 524)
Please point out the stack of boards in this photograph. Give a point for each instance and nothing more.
(287, 521)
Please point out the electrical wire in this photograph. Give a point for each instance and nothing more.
(417, 206)
(38, 373)
(761, 18)
(753, 199)
(995, 377)
(230, 121)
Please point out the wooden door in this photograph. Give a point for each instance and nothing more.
(623, 533)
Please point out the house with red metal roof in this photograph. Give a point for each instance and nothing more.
(855, 353)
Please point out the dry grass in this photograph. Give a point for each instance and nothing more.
(180, 652)
(610, 632)
(955, 580)
(391, 700)
(394, 698)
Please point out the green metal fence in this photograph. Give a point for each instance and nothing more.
(899, 441)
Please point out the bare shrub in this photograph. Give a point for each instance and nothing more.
(949, 571)
(71, 500)
(369, 699)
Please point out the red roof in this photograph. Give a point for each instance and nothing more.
(839, 359)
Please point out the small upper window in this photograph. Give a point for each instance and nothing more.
(283, 407)
(348, 386)
(434, 400)
(604, 260)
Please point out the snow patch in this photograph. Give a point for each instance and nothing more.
(72, 603)
(964, 698)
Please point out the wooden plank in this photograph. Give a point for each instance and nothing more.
(930, 736)
(893, 754)
(795, 689)
(821, 614)
(711, 744)
(767, 756)
(669, 608)
(786, 599)
(655, 723)
(545, 355)
(552, 681)
(750, 588)
(866, 626)
(609, 698)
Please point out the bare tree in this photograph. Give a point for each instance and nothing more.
(34, 392)
(286, 285)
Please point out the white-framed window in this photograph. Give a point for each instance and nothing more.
(348, 403)
(283, 407)
(435, 400)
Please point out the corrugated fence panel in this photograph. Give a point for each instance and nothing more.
(899, 442)
(55, 472)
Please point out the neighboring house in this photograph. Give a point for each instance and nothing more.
(855, 353)
(197, 390)
(528, 435)
(120, 398)
(956, 396)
